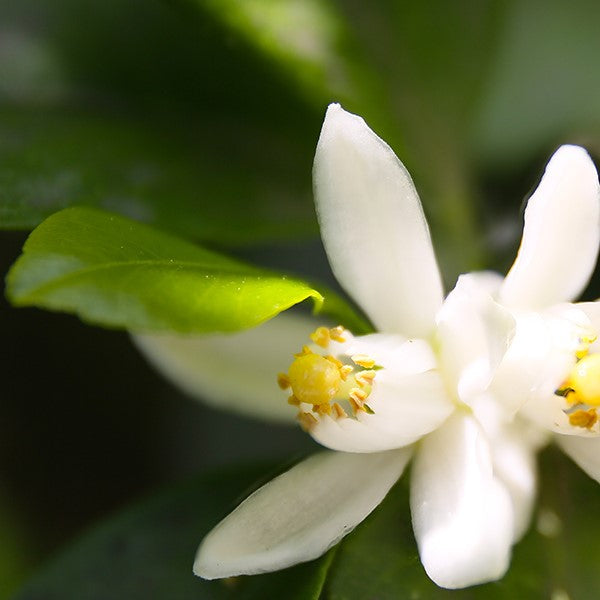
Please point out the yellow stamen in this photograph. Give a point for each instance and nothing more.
(321, 337)
(345, 371)
(293, 400)
(584, 418)
(337, 334)
(306, 420)
(365, 378)
(363, 360)
(305, 352)
(338, 411)
(314, 379)
(283, 381)
(338, 363)
(584, 380)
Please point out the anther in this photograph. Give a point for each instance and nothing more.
(345, 371)
(283, 381)
(338, 411)
(306, 420)
(337, 334)
(362, 360)
(365, 378)
(584, 418)
(321, 337)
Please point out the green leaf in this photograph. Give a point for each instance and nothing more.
(146, 553)
(115, 272)
(154, 171)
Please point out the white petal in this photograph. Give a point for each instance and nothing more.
(462, 516)
(300, 514)
(539, 358)
(408, 398)
(235, 371)
(474, 333)
(514, 465)
(561, 235)
(585, 451)
(373, 227)
(405, 410)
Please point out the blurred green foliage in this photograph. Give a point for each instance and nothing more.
(201, 117)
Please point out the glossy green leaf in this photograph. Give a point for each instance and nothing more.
(146, 553)
(116, 272)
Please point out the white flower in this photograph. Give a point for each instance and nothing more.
(425, 386)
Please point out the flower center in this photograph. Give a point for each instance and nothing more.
(322, 384)
(581, 388)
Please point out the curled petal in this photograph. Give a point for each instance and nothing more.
(299, 515)
(561, 235)
(462, 516)
(232, 371)
(539, 358)
(474, 333)
(373, 227)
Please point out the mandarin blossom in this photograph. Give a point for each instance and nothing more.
(440, 383)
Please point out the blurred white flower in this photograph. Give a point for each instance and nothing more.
(445, 381)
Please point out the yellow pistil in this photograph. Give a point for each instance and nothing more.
(584, 418)
(314, 379)
(584, 381)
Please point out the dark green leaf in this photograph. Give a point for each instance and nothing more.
(156, 172)
(146, 553)
(118, 273)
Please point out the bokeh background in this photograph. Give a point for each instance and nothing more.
(201, 117)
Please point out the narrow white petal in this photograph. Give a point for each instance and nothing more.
(236, 371)
(373, 227)
(561, 234)
(474, 333)
(585, 451)
(515, 467)
(300, 514)
(462, 516)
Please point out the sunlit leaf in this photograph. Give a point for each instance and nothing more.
(119, 273)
